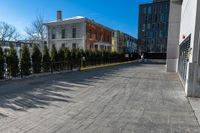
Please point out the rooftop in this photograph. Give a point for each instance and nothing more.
(72, 19)
(67, 19)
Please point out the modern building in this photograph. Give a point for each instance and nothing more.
(79, 32)
(124, 43)
(153, 26)
(183, 49)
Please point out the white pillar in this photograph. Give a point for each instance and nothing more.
(173, 35)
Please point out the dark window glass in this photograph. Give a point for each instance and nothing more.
(90, 33)
(74, 45)
(74, 33)
(144, 10)
(63, 33)
(63, 45)
(96, 47)
(53, 33)
(149, 10)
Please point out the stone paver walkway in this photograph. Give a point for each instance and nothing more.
(132, 98)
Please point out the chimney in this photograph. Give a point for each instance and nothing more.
(59, 15)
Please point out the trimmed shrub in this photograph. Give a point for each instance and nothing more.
(61, 58)
(12, 62)
(25, 61)
(46, 60)
(54, 58)
(78, 57)
(2, 62)
(73, 58)
(36, 59)
(68, 57)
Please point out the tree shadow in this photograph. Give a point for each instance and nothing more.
(43, 91)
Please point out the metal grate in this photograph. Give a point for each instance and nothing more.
(184, 57)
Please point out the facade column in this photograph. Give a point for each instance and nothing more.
(173, 35)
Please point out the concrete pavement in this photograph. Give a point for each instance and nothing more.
(131, 98)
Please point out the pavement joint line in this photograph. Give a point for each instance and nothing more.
(106, 65)
(193, 111)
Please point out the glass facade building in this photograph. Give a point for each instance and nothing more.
(153, 26)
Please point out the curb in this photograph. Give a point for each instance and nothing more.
(106, 65)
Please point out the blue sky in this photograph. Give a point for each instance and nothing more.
(117, 14)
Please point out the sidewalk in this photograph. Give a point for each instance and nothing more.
(195, 103)
(128, 98)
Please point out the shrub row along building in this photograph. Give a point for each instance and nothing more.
(83, 33)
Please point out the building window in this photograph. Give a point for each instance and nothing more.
(148, 26)
(160, 10)
(161, 34)
(146, 19)
(154, 9)
(91, 46)
(90, 33)
(53, 45)
(113, 34)
(74, 33)
(153, 26)
(99, 36)
(144, 10)
(101, 47)
(109, 48)
(96, 47)
(143, 27)
(53, 33)
(155, 18)
(74, 46)
(162, 18)
(149, 10)
(63, 45)
(63, 33)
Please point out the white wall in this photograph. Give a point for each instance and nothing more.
(173, 35)
(190, 24)
(80, 39)
(188, 20)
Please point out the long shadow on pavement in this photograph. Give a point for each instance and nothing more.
(39, 92)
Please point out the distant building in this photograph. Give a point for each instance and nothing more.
(84, 33)
(153, 26)
(78, 32)
(6, 45)
(124, 43)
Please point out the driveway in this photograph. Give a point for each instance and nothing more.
(131, 98)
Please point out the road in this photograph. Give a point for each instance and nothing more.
(131, 98)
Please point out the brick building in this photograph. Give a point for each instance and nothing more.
(78, 32)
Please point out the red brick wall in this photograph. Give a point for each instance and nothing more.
(98, 33)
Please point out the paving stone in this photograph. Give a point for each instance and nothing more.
(131, 98)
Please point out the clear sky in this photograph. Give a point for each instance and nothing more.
(117, 14)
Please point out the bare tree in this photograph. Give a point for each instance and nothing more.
(8, 32)
(37, 30)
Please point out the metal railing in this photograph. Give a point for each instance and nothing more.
(51, 67)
